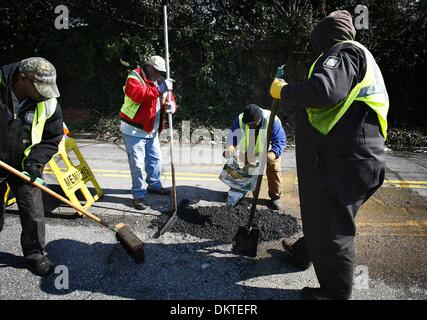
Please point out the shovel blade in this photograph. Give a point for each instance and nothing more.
(171, 221)
(245, 242)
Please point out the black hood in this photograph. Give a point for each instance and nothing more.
(7, 73)
(336, 27)
(9, 70)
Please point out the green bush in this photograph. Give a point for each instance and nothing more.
(106, 129)
(223, 53)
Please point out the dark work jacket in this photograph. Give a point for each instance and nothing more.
(328, 86)
(15, 130)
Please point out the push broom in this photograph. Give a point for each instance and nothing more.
(131, 243)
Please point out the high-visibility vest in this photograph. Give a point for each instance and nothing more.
(371, 90)
(246, 134)
(130, 107)
(44, 110)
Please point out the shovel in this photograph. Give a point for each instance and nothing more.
(245, 242)
(174, 215)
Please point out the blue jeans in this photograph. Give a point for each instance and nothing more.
(143, 154)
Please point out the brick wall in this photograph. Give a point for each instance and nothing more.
(74, 115)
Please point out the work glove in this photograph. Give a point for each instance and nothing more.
(280, 72)
(251, 165)
(229, 152)
(171, 107)
(271, 156)
(34, 170)
(276, 88)
(165, 85)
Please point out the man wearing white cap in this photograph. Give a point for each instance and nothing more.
(142, 119)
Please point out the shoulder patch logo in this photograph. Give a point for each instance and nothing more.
(332, 62)
(29, 117)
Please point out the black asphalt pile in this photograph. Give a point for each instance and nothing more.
(221, 223)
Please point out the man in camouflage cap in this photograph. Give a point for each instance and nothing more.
(42, 74)
(31, 128)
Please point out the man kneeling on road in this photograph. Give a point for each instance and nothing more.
(255, 120)
(142, 120)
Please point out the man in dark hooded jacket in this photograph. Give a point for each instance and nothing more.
(340, 138)
(31, 128)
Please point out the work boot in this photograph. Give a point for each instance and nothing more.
(139, 204)
(296, 261)
(161, 191)
(40, 266)
(276, 204)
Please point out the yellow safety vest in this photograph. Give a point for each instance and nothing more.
(262, 135)
(44, 110)
(370, 90)
(130, 107)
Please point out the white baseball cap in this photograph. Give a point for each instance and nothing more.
(158, 63)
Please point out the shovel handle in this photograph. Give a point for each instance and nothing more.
(171, 146)
(52, 193)
(170, 120)
(274, 107)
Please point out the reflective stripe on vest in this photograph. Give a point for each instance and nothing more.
(246, 134)
(44, 110)
(371, 90)
(130, 107)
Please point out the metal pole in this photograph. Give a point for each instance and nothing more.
(165, 18)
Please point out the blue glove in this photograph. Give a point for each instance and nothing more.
(164, 86)
(280, 72)
(37, 180)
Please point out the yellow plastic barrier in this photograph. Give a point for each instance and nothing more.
(74, 178)
(8, 197)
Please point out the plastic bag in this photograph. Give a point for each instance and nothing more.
(237, 177)
(234, 197)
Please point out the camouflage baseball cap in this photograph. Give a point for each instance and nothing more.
(43, 75)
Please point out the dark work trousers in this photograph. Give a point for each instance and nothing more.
(336, 175)
(31, 213)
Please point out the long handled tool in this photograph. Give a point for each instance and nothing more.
(245, 241)
(174, 216)
(124, 234)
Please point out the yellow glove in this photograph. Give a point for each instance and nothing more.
(229, 152)
(271, 156)
(276, 88)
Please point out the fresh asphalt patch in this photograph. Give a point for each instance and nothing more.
(220, 223)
